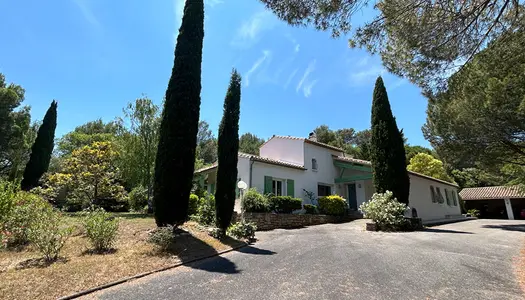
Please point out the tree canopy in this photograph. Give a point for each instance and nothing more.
(426, 164)
(250, 143)
(421, 40)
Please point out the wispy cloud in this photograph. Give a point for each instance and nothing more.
(88, 13)
(212, 3)
(307, 84)
(250, 30)
(307, 89)
(297, 48)
(363, 61)
(366, 76)
(256, 65)
(292, 75)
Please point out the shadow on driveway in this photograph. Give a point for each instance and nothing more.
(438, 230)
(510, 227)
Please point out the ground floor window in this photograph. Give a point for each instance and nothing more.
(277, 187)
(323, 190)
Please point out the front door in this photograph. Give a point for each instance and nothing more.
(352, 196)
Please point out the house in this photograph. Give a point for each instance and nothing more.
(502, 202)
(293, 165)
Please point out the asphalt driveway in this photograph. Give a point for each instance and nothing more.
(467, 260)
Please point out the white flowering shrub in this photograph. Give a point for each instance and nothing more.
(385, 211)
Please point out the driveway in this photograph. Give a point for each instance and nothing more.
(467, 260)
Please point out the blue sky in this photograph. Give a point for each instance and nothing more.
(95, 56)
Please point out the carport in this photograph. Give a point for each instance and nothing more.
(495, 202)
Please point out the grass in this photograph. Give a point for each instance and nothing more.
(24, 275)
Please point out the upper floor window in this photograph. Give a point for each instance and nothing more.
(314, 164)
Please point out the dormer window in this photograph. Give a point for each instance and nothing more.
(314, 164)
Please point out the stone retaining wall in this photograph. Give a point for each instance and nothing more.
(269, 221)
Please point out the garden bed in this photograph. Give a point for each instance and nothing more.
(23, 275)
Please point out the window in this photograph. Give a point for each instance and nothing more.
(433, 194)
(440, 198)
(314, 164)
(277, 187)
(454, 198)
(449, 200)
(324, 190)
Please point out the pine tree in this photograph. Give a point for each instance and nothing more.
(41, 150)
(228, 147)
(174, 164)
(387, 151)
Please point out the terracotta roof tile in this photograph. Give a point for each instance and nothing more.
(259, 159)
(491, 192)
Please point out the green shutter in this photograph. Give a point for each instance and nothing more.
(290, 187)
(267, 184)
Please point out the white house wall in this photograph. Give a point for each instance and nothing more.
(263, 169)
(421, 199)
(289, 150)
(326, 171)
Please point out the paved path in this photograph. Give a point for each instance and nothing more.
(467, 260)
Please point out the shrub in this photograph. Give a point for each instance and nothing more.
(194, 204)
(101, 229)
(48, 234)
(206, 211)
(7, 198)
(285, 204)
(138, 198)
(22, 216)
(332, 205)
(243, 230)
(385, 211)
(162, 237)
(473, 212)
(310, 209)
(217, 233)
(253, 201)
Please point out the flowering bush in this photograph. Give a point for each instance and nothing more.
(101, 229)
(385, 211)
(243, 230)
(333, 205)
(48, 234)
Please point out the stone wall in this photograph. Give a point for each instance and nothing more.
(269, 221)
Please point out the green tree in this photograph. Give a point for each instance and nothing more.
(174, 164)
(228, 149)
(479, 121)
(426, 164)
(15, 129)
(250, 143)
(412, 151)
(206, 144)
(387, 151)
(422, 40)
(87, 134)
(473, 177)
(41, 150)
(139, 141)
(90, 176)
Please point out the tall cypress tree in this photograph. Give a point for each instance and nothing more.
(228, 147)
(387, 151)
(41, 150)
(174, 164)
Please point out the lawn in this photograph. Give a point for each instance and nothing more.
(23, 275)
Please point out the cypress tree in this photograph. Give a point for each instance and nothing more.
(228, 147)
(174, 164)
(387, 151)
(41, 150)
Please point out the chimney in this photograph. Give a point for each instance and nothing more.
(312, 137)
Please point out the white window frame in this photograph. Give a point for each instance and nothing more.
(283, 186)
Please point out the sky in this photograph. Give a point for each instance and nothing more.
(95, 56)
